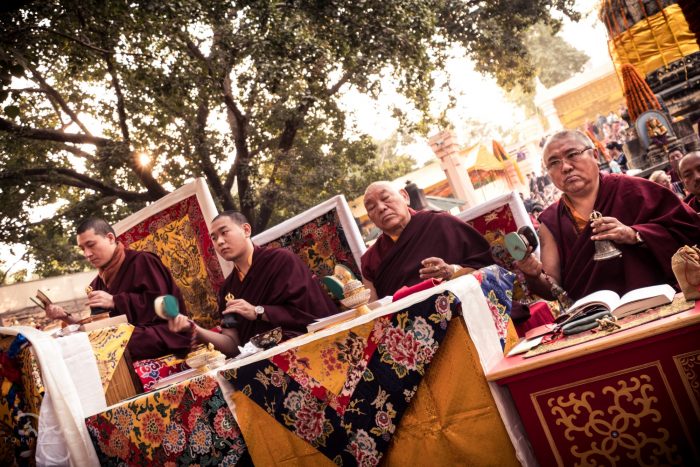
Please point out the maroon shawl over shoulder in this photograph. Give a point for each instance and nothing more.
(390, 265)
(662, 220)
(141, 278)
(692, 201)
(279, 281)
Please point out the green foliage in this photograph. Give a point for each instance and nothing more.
(244, 93)
(555, 61)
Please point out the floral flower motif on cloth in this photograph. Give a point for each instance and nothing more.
(186, 424)
(18, 419)
(152, 370)
(497, 286)
(321, 244)
(383, 362)
(408, 346)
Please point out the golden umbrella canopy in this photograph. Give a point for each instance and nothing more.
(647, 34)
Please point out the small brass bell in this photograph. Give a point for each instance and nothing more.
(604, 249)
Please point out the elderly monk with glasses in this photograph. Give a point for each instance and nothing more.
(645, 221)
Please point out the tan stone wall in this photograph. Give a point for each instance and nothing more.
(601, 96)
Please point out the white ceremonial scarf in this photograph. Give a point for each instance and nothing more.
(63, 437)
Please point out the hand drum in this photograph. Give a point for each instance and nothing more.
(518, 242)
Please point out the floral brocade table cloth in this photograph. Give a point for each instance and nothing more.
(335, 398)
(345, 394)
(189, 423)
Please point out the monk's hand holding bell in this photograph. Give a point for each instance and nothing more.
(436, 268)
(530, 265)
(609, 228)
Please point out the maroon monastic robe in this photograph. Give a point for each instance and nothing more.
(662, 220)
(279, 281)
(390, 265)
(141, 278)
(692, 201)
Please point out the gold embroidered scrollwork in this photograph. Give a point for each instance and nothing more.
(175, 243)
(615, 433)
(688, 365)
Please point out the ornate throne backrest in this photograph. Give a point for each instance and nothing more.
(494, 219)
(322, 237)
(176, 229)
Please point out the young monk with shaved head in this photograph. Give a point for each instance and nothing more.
(127, 283)
(269, 287)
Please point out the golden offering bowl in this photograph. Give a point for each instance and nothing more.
(205, 358)
(356, 296)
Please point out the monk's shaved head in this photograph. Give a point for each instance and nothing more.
(387, 207)
(564, 134)
(235, 216)
(689, 171)
(382, 184)
(571, 160)
(688, 159)
(99, 225)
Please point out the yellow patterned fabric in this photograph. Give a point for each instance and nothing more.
(654, 42)
(21, 392)
(453, 419)
(175, 244)
(109, 344)
(31, 380)
(269, 443)
(325, 364)
(31, 377)
(179, 236)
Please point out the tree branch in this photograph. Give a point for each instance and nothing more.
(204, 158)
(78, 41)
(46, 134)
(151, 184)
(63, 176)
(51, 92)
(77, 151)
(6, 272)
(121, 110)
(238, 123)
(285, 144)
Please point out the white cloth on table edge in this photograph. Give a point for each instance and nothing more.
(65, 366)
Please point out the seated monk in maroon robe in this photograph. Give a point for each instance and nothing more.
(689, 168)
(127, 283)
(271, 287)
(645, 221)
(415, 246)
